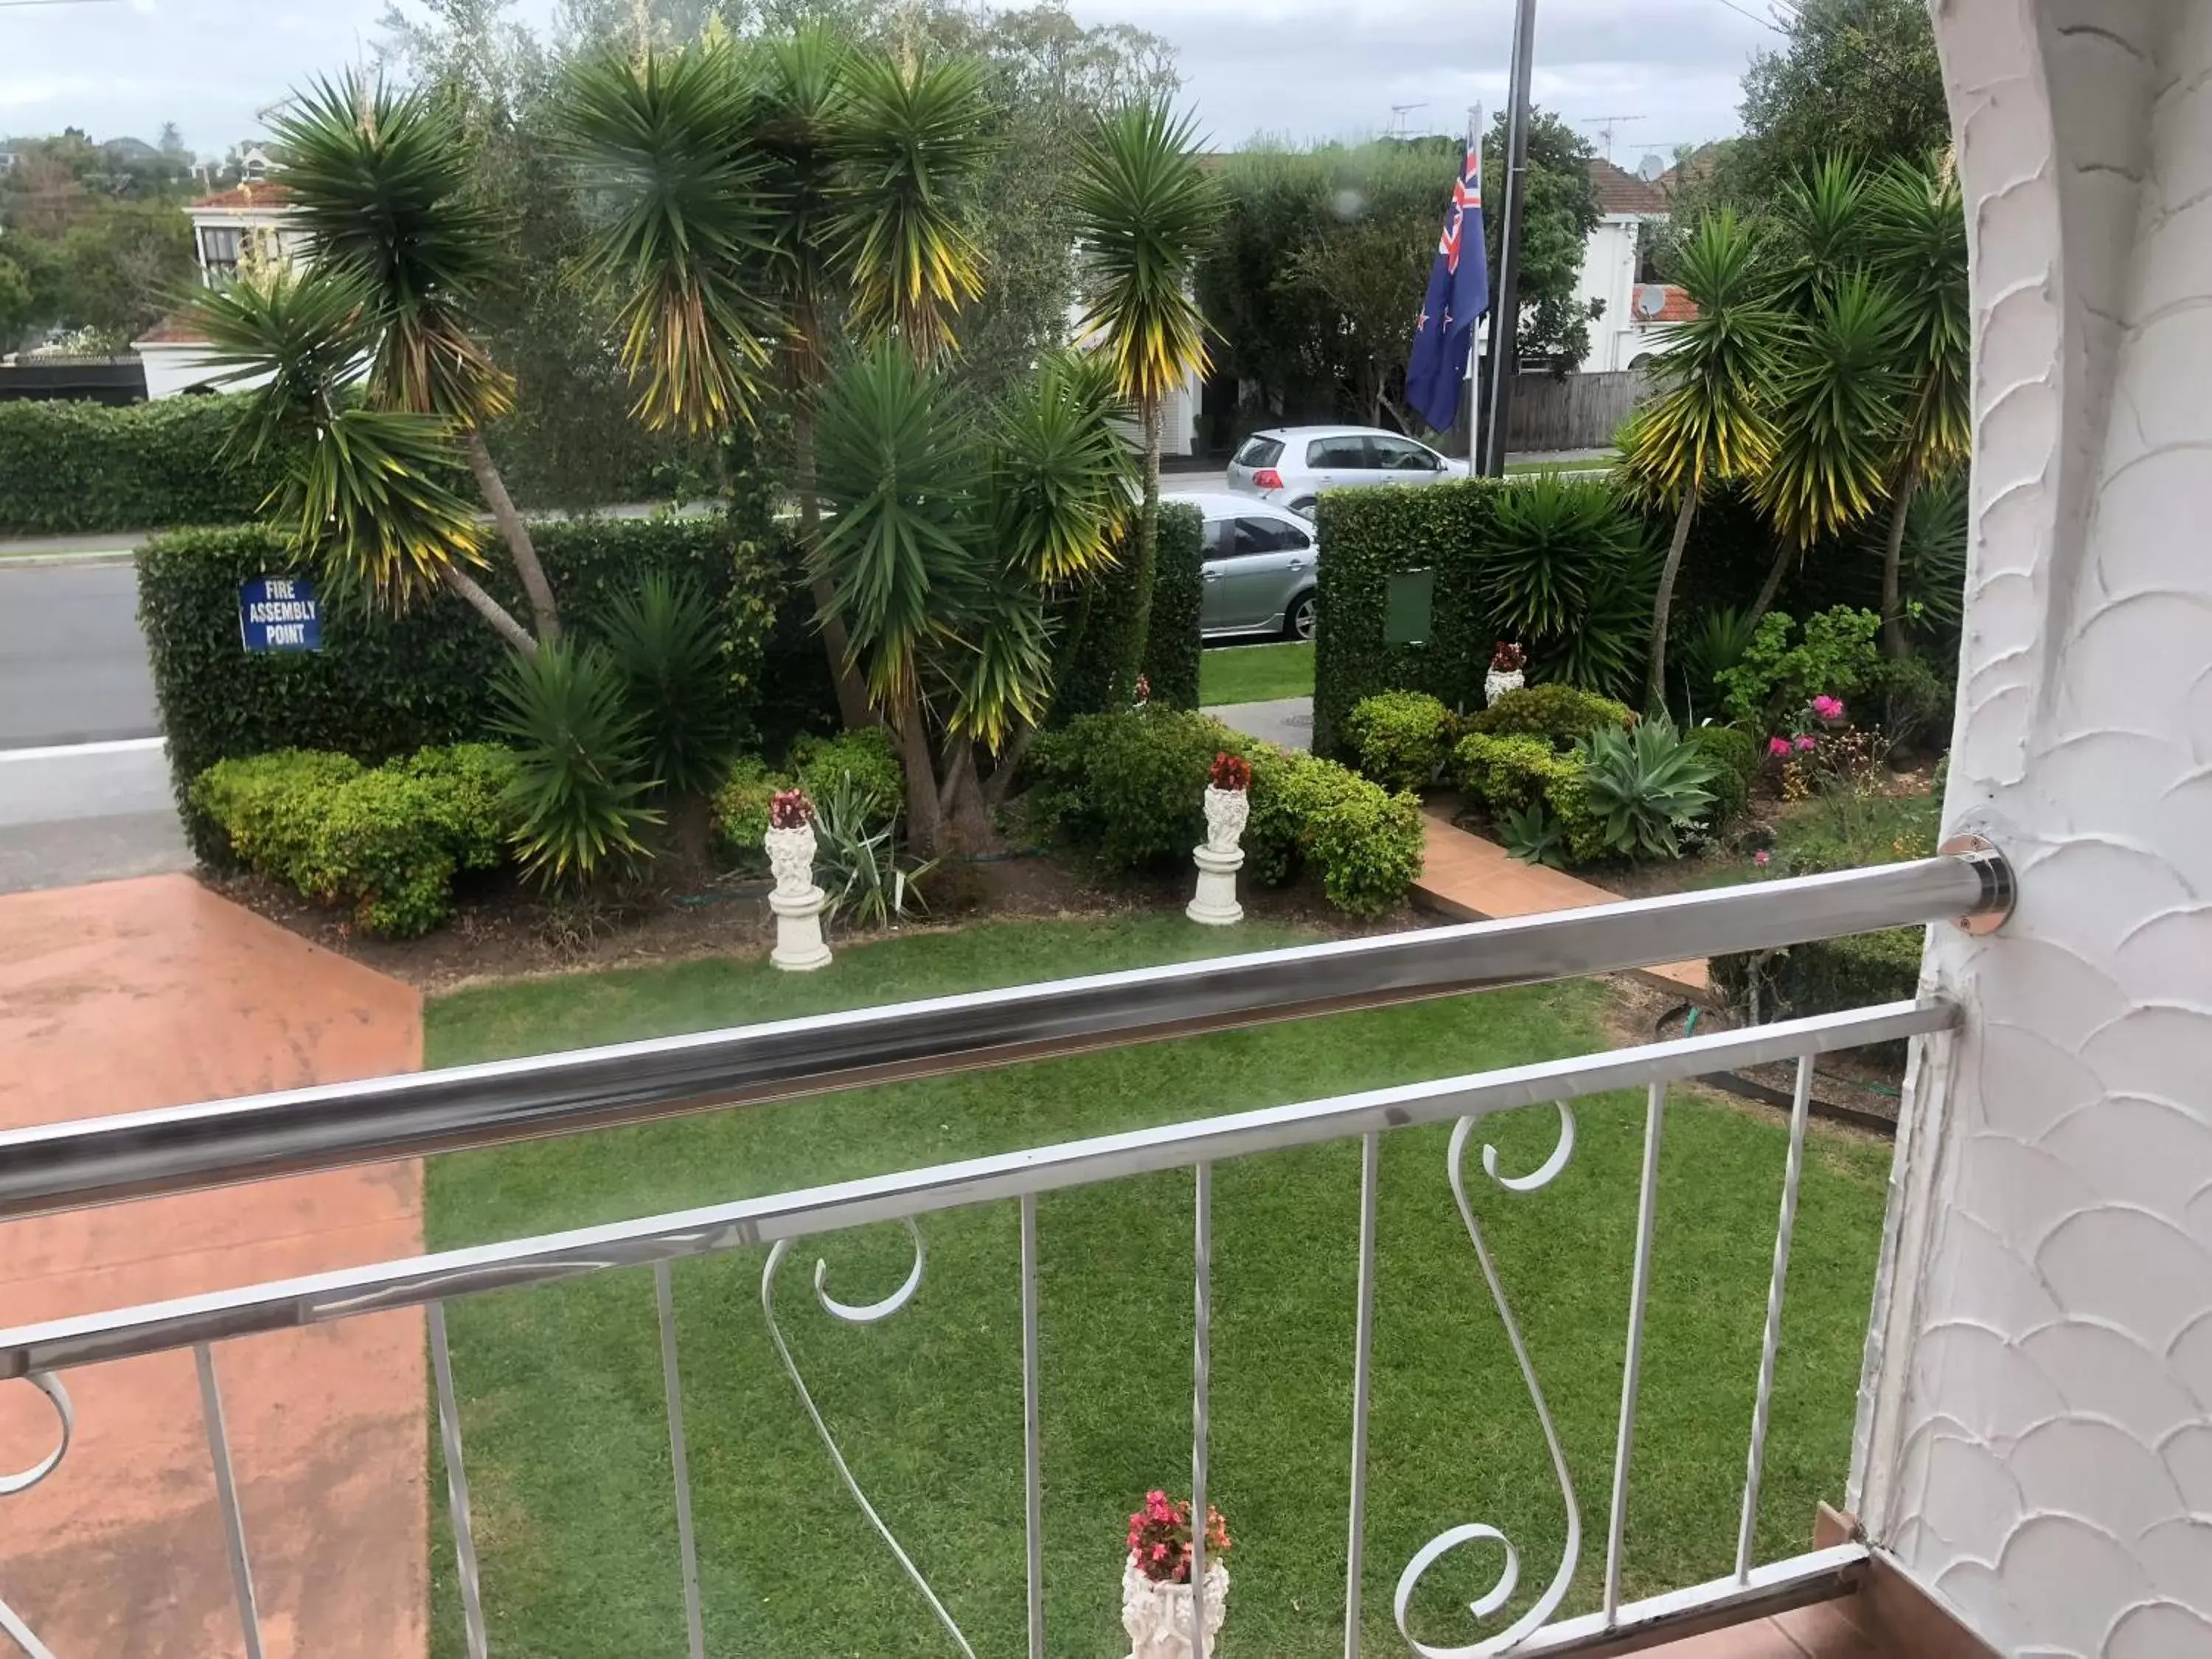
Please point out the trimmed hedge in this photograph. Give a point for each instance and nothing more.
(388, 686)
(1733, 754)
(1129, 787)
(1827, 975)
(1513, 772)
(71, 468)
(1401, 739)
(385, 842)
(1093, 626)
(1561, 714)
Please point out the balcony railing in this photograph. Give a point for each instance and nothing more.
(74, 1165)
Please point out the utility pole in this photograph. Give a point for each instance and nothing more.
(1505, 295)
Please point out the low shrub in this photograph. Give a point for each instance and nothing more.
(1733, 755)
(1510, 775)
(1402, 739)
(1128, 787)
(740, 809)
(865, 757)
(1564, 714)
(1824, 976)
(1835, 655)
(385, 840)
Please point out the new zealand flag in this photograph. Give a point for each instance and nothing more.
(1459, 292)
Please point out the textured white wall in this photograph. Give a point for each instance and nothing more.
(2036, 1440)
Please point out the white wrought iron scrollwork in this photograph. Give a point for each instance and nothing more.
(22, 1480)
(1509, 1578)
(867, 1313)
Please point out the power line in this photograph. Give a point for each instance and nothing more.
(11, 4)
(1763, 22)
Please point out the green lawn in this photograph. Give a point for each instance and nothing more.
(1255, 674)
(568, 1454)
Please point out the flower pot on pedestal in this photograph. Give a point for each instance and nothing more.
(1157, 1616)
(796, 900)
(1220, 858)
(1497, 682)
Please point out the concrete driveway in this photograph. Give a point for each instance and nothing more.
(135, 994)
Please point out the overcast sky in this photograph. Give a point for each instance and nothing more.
(1300, 69)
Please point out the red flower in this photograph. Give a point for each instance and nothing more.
(790, 810)
(1231, 772)
(1777, 747)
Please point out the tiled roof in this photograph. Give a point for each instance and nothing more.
(1679, 306)
(172, 330)
(266, 194)
(1621, 192)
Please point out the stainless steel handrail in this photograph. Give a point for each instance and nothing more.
(105, 1160)
(517, 1263)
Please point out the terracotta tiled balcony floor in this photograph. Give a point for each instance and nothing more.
(133, 994)
(1831, 1630)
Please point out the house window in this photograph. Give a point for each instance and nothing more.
(219, 252)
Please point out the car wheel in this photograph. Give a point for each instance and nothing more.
(1298, 621)
(1303, 507)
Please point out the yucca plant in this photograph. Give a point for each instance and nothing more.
(1716, 644)
(1917, 225)
(1567, 570)
(1533, 835)
(1646, 783)
(665, 643)
(1706, 423)
(1836, 410)
(1144, 212)
(857, 862)
(580, 784)
(1819, 231)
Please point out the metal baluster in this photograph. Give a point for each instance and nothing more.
(1362, 1382)
(225, 1493)
(1647, 1204)
(664, 1296)
(1801, 1105)
(1201, 1361)
(457, 1485)
(1032, 1453)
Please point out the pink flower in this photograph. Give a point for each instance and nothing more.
(1777, 747)
(1807, 744)
(1160, 1552)
(1760, 858)
(1828, 708)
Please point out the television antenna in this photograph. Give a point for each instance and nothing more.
(1397, 114)
(1606, 126)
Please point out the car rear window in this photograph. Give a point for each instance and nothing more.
(1259, 452)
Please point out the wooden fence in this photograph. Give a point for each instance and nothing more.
(1573, 411)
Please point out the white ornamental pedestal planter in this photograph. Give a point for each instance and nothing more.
(1158, 1616)
(1220, 858)
(796, 901)
(1498, 681)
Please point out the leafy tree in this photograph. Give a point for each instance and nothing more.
(1144, 211)
(16, 303)
(1705, 425)
(1560, 208)
(1858, 78)
(123, 262)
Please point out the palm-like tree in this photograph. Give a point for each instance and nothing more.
(1144, 211)
(397, 250)
(1707, 424)
(764, 200)
(949, 532)
(1917, 227)
(1835, 408)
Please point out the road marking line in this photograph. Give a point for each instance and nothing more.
(85, 750)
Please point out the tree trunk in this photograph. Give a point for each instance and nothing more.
(1148, 554)
(489, 608)
(539, 592)
(852, 695)
(1001, 780)
(1654, 685)
(1892, 560)
(923, 821)
(965, 820)
(1784, 552)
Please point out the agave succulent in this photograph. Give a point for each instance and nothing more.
(1646, 784)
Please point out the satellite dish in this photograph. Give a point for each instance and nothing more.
(1650, 300)
(1649, 169)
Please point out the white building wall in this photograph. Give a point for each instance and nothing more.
(1609, 274)
(2036, 1432)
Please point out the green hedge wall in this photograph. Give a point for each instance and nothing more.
(383, 686)
(70, 468)
(1088, 658)
(1368, 536)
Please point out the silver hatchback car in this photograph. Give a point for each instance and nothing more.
(1260, 564)
(1290, 465)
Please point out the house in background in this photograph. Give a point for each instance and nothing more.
(246, 225)
(1614, 273)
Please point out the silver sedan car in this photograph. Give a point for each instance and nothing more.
(1290, 465)
(1259, 567)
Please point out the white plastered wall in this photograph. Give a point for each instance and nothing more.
(2035, 1442)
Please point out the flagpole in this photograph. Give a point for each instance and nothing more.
(1505, 298)
(1475, 357)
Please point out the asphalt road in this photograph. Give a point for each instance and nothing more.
(72, 665)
